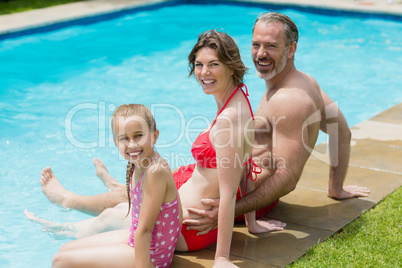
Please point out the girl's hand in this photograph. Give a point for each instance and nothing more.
(263, 226)
(223, 263)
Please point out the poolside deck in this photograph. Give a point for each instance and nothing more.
(48, 16)
(310, 215)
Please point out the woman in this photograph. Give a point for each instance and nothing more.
(222, 151)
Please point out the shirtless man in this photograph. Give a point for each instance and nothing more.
(288, 119)
(295, 109)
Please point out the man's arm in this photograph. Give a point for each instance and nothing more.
(335, 125)
(288, 151)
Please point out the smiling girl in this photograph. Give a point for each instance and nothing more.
(156, 209)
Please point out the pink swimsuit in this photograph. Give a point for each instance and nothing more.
(166, 230)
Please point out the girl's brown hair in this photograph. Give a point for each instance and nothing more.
(122, 112)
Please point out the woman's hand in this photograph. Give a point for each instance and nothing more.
(263, 226)
(222, 262)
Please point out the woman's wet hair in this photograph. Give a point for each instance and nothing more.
(226, 49)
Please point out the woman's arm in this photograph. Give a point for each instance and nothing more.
(229, 149)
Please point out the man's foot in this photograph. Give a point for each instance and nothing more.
(102, 173)
(52, 188)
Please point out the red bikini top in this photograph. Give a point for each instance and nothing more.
(202, 149)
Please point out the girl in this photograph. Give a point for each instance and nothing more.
(156, 209)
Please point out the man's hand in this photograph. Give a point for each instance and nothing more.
(349, 191)
(208, 219)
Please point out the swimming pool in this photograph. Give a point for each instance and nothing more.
(59, 88)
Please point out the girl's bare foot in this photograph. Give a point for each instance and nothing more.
(31, 216)
(48, 225)
(52, 188)
(102, 173)
(57, 230)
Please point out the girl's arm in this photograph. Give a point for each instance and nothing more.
(153, 192)
(228, 151)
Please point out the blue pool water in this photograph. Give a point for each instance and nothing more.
(58, 90)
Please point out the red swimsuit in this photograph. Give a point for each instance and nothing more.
(202, 149)
(205, 156)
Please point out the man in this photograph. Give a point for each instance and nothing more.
(288, 119)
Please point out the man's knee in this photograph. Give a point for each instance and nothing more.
(117, 197)
(122, 193)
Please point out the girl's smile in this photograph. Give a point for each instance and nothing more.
(134, 140)
(134, 154)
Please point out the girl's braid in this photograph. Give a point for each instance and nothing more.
(129, 171)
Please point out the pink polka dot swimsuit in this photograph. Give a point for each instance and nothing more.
(166, 230)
